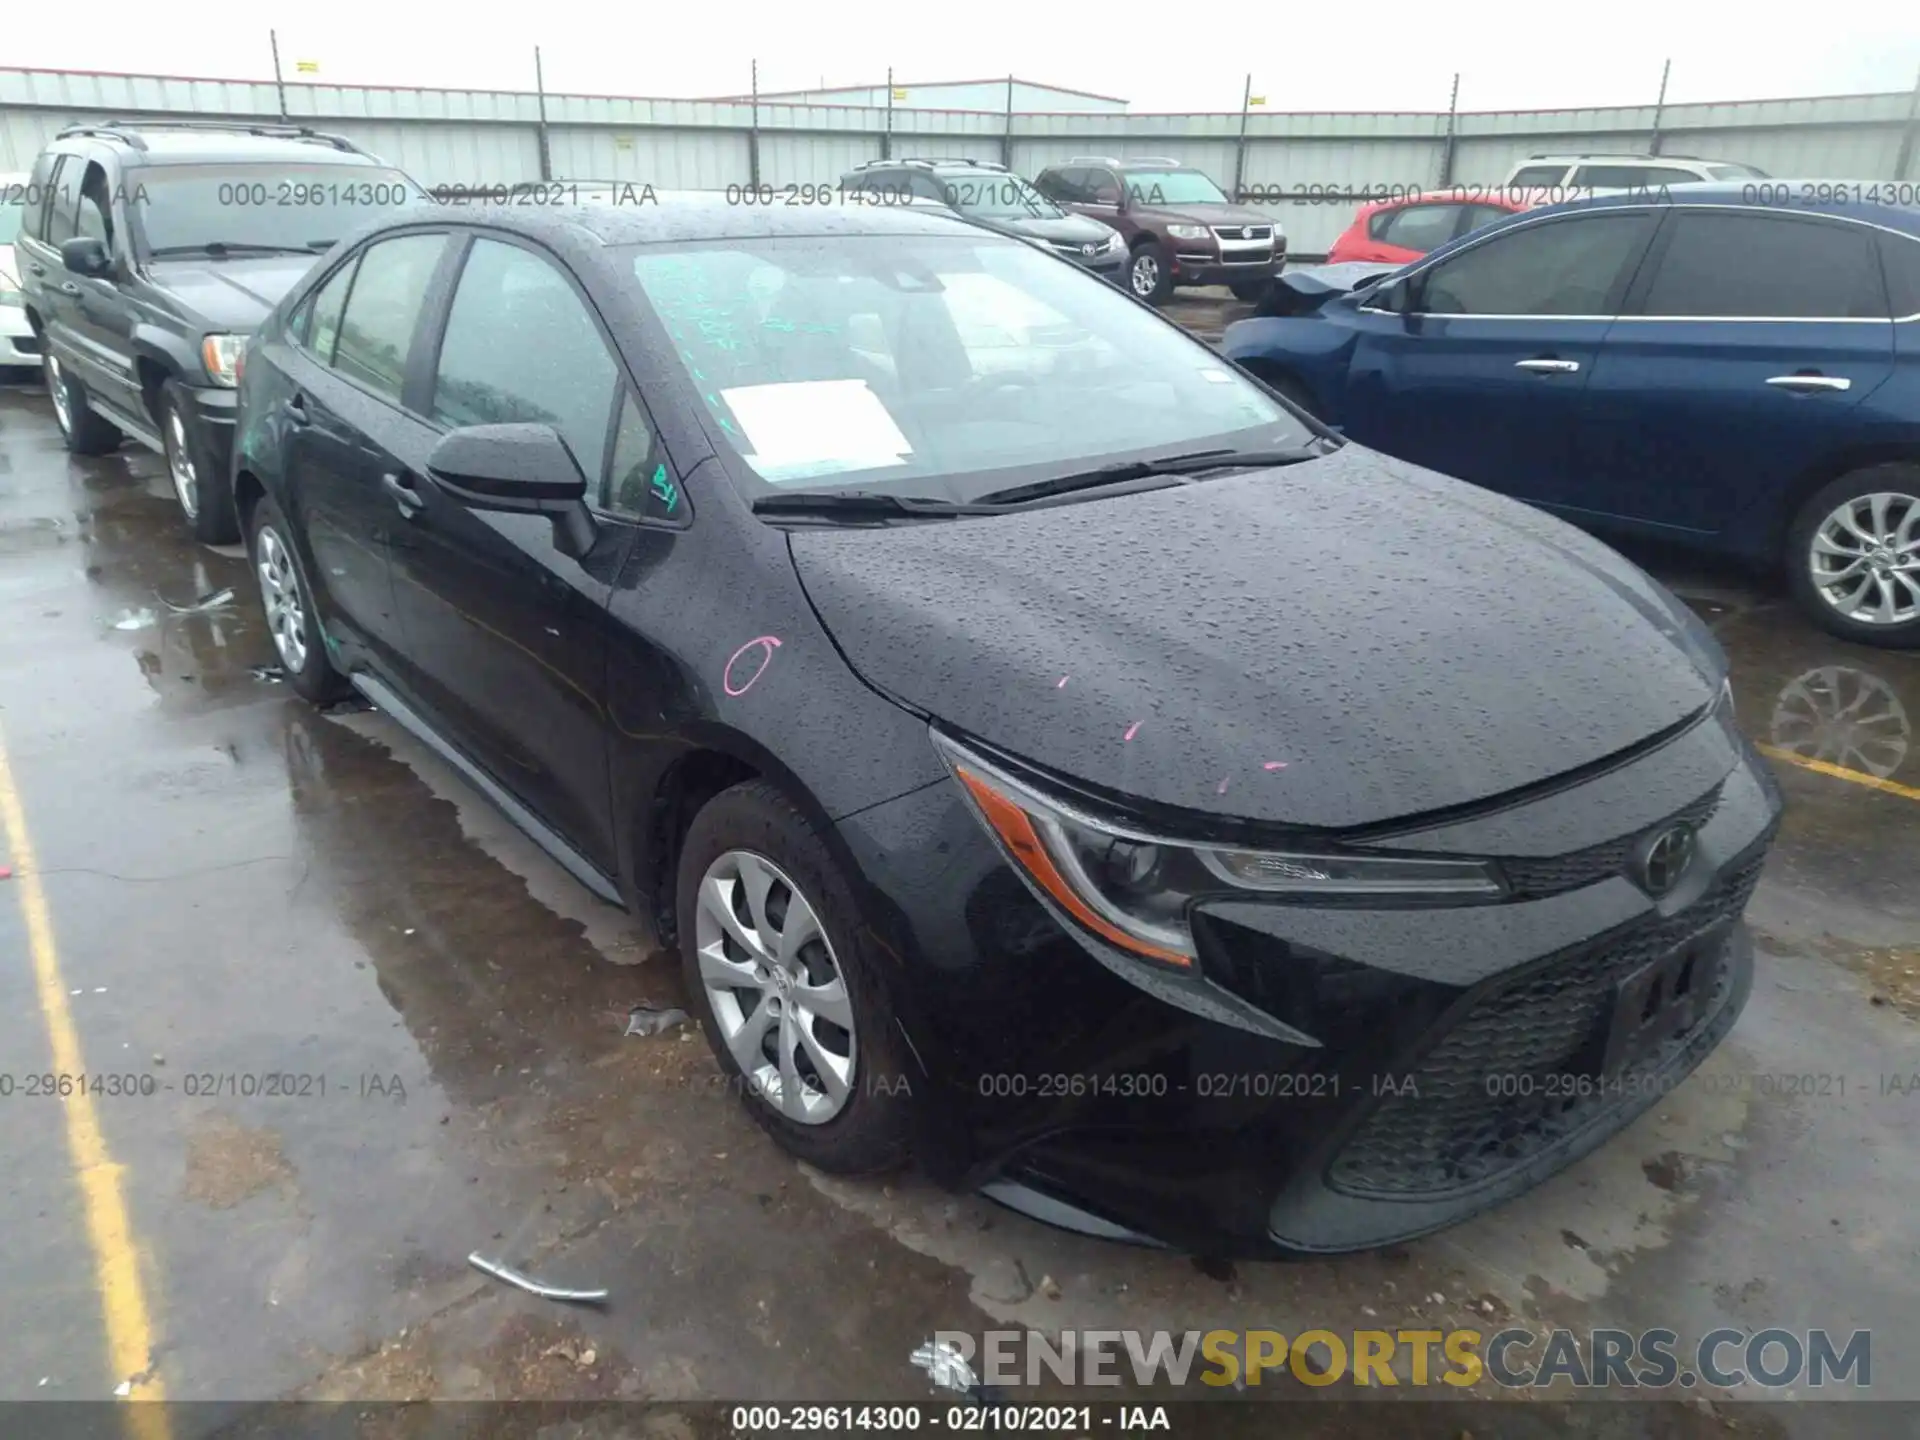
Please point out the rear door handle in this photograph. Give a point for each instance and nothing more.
(400, 488)
(1548, 367)
(1809, 384)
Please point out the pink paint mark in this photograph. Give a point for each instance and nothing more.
(1223, 788)
(737, 687)
(1062, 683)
(1133, 730)
(1274, 765)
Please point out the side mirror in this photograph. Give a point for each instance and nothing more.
(86, 255)
(521, 470)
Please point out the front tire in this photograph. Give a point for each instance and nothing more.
(84, 432)
(287, 601)
(1150, 273)
(1853, 555)
(205, 497)
(787, 984)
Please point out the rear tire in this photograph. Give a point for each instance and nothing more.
(1150, 273)
(204, 495)
(753, 836)
(286, 599)
(1854, 543)
(84, 432)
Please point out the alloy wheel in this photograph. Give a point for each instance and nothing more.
(775, 987)
(280, 595)
(1865, 559)
(57, 390)
(1145, 274)
(1842, 716)
(186, 481)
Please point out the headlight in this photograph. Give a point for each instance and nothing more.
(1133, 889)
(1188, 232)
(221, 355)
(1114, 242)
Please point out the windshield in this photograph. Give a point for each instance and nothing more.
(9, 223)
(1172, 187)
(943, 366)
(183, 209)
(997, 197)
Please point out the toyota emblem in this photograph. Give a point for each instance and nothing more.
(1089, 249)
(1664, 859)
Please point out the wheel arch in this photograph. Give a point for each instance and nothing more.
(1768, 524)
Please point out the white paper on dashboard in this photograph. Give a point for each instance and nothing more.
(816, 422)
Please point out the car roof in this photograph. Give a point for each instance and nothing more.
(178, 144)
(678, 216)
(1846, 199)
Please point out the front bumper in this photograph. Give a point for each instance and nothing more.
(1452, 1058)
(18, 344)
(1192, 267)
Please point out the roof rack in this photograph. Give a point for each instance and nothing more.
(1154, 160)
(130, 131)
(1090, 160)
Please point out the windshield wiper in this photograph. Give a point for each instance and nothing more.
(219, 248)
(876, 503)
(1193, 463)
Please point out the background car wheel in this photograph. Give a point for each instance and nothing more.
(205, 498)
(1853, 555)
(1149, 274)
(287, 601)
(1250, 292)
(782, 974)
(85, 432)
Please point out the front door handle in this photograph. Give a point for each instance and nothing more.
(296, 410)
(36, 268)
(1548, 367)
(1810, 384)
(401, 490)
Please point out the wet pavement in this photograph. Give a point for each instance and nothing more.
(244, 896)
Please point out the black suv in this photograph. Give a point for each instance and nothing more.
(148, 253)
(993, 196)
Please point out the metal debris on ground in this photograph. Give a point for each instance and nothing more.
(272, 674)
(141, 619)
(532, 1286)
(213, 600)
(647, 1020)
(946, 1367)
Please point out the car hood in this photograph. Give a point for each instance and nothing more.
(1066, 229)
(1337, 643)
(231, 295)
(1303, 291)
(1204, 214)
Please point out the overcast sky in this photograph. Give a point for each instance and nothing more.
(1386, 55)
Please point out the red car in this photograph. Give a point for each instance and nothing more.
(1397, 232)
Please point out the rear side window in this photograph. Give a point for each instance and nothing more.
(1630, 177)
(317, 326)
(1560, 267)
(1061, 185)
(1528, 176)
(39, 188)
(383, 308)
(1482, 215)
(1420, 227)
(1764, 266)
(1901, 258)
(520, 347)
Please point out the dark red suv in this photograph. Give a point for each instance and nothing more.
(1179, 226)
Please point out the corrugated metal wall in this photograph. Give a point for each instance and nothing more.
(1320, 161)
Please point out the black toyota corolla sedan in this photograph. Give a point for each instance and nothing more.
(1051, 756)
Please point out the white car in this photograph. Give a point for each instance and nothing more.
(1622, 172)
(17, 343)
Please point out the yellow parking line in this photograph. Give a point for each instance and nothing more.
(1839, 772)
(123, 1301)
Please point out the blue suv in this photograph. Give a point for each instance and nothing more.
(1735, 367)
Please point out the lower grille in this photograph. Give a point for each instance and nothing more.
(1459, 1124)
(1246, 257)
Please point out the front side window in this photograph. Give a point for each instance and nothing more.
(383, 310)
(291, 208)
(1562, 267)
(1420, 227)
(1900, 256)
(521, 348)
(1102, 187)
(62, 210)
(637, 481)
(940, 365)
(1172, 187)
(1630, 177)
(317, 327)
(1738, 264)
(1529, 177)
(94, 218)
